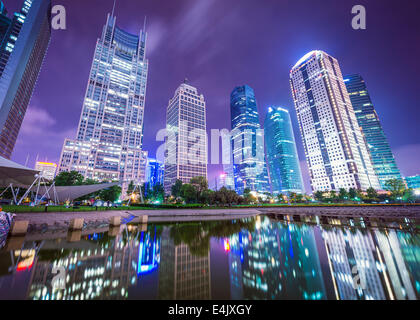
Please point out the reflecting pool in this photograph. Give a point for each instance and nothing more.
(253, 258)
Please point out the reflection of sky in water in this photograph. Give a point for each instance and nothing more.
(241, 259)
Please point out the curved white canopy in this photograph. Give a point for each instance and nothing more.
(18, 175)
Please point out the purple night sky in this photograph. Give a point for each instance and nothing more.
(218, 44)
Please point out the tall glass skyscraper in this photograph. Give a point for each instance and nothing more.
(110, 133)
(186, 143)
(24, 40)
(335, 149)
(154, 172)
(250, 168)
(282, 157)
(382, 157)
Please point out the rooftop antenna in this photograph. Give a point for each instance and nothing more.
(113, 8)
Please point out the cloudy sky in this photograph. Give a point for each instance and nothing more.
(219, 44)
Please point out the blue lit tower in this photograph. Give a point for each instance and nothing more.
(247, 142)
(382, 157)
(282, 157)
(154, 172)
(24, 39)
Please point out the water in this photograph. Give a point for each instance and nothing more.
(254, 258)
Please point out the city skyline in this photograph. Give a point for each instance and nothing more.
(278, 87)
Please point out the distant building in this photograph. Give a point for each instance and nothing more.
(382, 157)
(186, 144)
(335, 149)
(108, 145)
(24, 39)
(154, 172)
(413, 182)
(250, 168)
(47, 169)
(282, 157)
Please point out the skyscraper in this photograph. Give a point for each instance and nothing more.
(382, 157)
(109, 138)
(154, 172)
(250, 169)
(24, 40)
(282, 157)
(335, 149)
(186, 143)
(47, 169)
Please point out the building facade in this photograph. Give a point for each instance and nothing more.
(186, 142)
(247, 140)
(413, 182)
(335, 149)
(47, 169)
(24, 42)
(282, 157)
(108, 145)
(382, 157)
(154, 172)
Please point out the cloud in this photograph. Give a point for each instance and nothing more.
(41, 135)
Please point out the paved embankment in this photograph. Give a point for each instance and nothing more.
(63, 218)
(388, 212)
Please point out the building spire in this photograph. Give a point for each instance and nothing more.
(113, 8)
(144, 24)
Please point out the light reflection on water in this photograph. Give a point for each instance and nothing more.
(255, 258)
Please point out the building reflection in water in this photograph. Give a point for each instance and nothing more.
(266, 260)
(183, 275)
(281, 260)
(99, 267)
(276, 261)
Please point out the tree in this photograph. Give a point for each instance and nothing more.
(200, 184)
(72, 178)
(371, 194)
(396, 187)
(158, 192)
(319, 196)
(343, 194)
(110, 194)
(352, 193)
(189, 193)
(333, 195)
(408, 195)
(280, 197)
(176, 189)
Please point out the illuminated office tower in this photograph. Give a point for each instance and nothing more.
(382, 157)
(47, 169)
(250, 169)
(336, 152)
(282, 157)
(154, 172)
(413, 182)
(109, 138)
(186, 143)
(24, 40)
